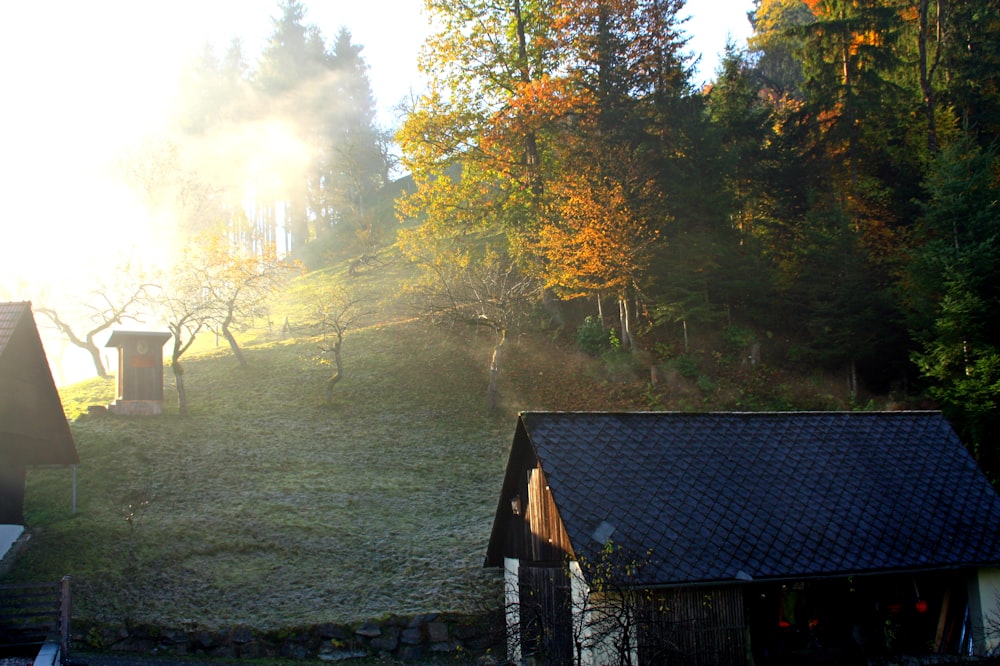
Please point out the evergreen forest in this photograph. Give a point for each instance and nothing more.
(831, 196)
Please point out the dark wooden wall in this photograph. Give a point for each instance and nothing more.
(546, 631)
(533, 533)
(12, 475)
(693, 626)
(140, 373)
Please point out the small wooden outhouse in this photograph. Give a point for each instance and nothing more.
(140, 371)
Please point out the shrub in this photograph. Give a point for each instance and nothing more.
(591, 338)
(738, 341)
(687, 366)
(620, 365)
(705, 384)
(738, 338)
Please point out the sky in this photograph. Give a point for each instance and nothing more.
(82, 82)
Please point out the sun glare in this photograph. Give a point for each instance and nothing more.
(85, 93)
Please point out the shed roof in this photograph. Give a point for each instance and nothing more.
(33, 426)
(119, 338)
(737, 496)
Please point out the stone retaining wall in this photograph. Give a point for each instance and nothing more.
(459, 638)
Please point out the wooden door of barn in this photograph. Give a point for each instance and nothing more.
(693, 627)
(546, 614)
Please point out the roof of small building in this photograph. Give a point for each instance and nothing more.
(709, 497)
(33, 426)
(119, 338)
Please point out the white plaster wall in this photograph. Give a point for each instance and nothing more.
(512, 609)
(592, 624)
(984, 609)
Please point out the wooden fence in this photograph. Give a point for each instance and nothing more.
(34, 613)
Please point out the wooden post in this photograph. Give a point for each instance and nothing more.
(64, 613)
(939, 635)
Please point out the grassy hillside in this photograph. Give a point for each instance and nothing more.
(271, 507)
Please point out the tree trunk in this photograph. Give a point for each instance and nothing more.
(182, 403)
(852, 380)
(95, 356)
(928, 65)
(551, 308)
(337, 373)
(492, 390)
(231, 339)
(626, 327)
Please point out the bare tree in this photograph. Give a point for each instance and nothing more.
(489, 293)
(335, 310)
(105, 307)
(132, 505)
(592, 610)
(159, 173)
(186, 320)
(187, 307)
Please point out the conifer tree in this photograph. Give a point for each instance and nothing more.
(352, 164)
(952, 289)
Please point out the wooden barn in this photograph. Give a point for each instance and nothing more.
(745, 538)
(33, 426)
(140, 371)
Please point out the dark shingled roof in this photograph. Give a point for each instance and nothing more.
(734, 496)
(10, 315)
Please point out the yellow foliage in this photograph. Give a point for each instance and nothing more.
(591, 240)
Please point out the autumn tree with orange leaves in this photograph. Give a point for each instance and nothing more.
(533, 134)
(593, 241)
(478, 158)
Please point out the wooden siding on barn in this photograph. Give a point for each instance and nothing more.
(548, 540)
(33, 425)
(534, 531)
(12, 478)
(546, 631)
(694, 627)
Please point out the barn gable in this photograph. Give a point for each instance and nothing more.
(33, 426)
